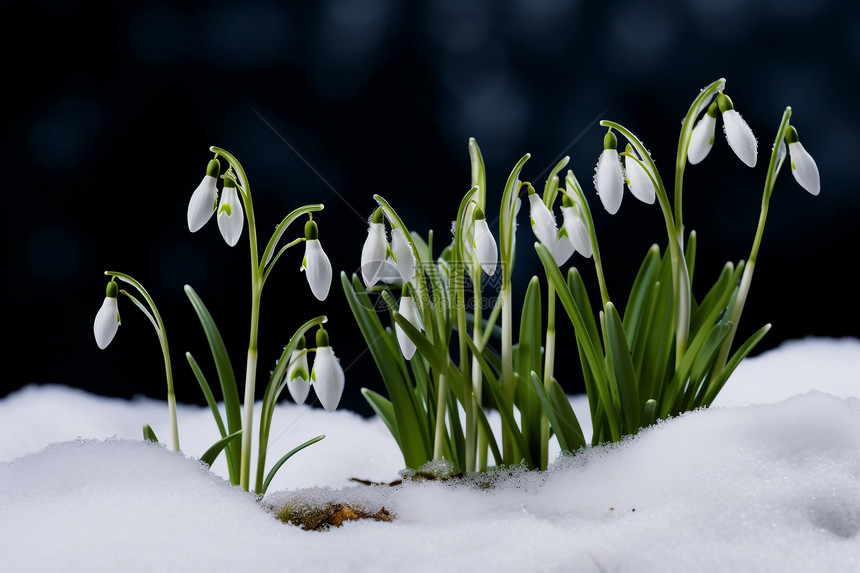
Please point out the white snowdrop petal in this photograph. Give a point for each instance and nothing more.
(328, 378)
(202, 203)
(318, 269)
(107, 322)
(485, 247)
(577, 231)
(468, 231)
(297, 376)
(231, 220)
(740, 137)
(702, 139)
(561, 250)
(639, 182)
(542, 220)
(609, 181)
(803, 168)
(405, 260)
(407, 310)
(373, 253)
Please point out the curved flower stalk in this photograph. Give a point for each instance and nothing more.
(297, 377)
(327, 374)
(105, 328)
(316, 265)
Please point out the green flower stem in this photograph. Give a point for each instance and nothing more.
(699, 104)
(477, 375)
(592, 233)
(508, 382)
(746, 279)
(158, 324)
(680, 275)
(441, 408)
(256, 292)
(548, 367)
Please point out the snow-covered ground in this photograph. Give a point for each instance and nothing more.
(767, 480)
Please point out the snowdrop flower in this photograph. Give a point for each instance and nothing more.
(403, 256)
(408, 311)
(374, 250)
(738, 133)
(575, 225)
(316, 263)
(203, 200)
(107, 318)
(638, 179)
(803, 166)
(298, 379)
(485, 244)
(608, 178)
(702, 138)
(230, 217)
(543, 226)
(327, 375)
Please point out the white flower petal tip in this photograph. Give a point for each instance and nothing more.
(298, 382)
(543, 222)
(318, 269)
(609, 180)
(639, 182)
(107, 322)
(561, 250)
(577, 231)
(231, 220)
(202, 203)
(373, 254)
(803, 168)
(740, 137)
(408, 311)
(328, 378)
(404, 258)
(702, 139)
(485, 247)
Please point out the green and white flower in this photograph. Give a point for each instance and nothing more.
(702, 138)
(316, 265)
(803, 166)
(107, 318)
(375, 249)
(408, 310)
(404, 258)
(608, 176)
(738, 133)
(327, 375)
(298, 379)
(544, 227)
(575, 224)
(486, 250)
(638, 179)
(204, 198)
(230, 217)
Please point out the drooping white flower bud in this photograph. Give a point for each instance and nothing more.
(374, 250)
(316, 263)
(327, 374)
(297, 377)
(803, 166)
(203, 200)
(738, 133)
(403, 256)
(485, 244)
(702, 138)
(107, 318)
(608, 177)
(408, 311)
(231, 220)
(576, 226)
(638, 180)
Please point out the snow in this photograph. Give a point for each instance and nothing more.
(766, 480)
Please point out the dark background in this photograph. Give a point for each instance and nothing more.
(111, 107)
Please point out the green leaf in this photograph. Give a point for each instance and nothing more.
(383, 408)
(207, 392)
(649, 413)
(741, 353)
(622, 368)
(281, 461)
(528, 359)
(636, 312)
(560, 414)
(209, 455)
(148, 434)
(229, 390)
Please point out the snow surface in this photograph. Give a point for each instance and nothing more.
(767, 480)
